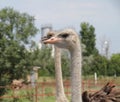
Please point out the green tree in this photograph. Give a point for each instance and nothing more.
(87, 64)
(43, 58)
(89, 51)
(100, 65)
(87, 34)
(114, 65)
(16, 31)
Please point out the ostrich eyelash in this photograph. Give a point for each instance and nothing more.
(64, 35)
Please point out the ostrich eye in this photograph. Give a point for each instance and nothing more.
(64, 35)
(49, 36)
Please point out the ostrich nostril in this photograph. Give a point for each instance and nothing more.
(52, 38)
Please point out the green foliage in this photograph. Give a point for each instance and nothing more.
(87, 63)
(102, 66)
(114, 64)
(16, 30)
(42, 58)
(99, 65)
(92, 61)
(87, 34)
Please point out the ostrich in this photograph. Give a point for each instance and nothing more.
(69, 39)
(60, 95)
(105, 94)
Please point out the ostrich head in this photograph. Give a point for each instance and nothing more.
(67, 38)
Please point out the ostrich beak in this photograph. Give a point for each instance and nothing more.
(52, 40)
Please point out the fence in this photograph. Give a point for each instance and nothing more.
(43, 90)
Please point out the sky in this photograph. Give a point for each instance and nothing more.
(104, 15)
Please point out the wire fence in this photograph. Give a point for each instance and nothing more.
(42, 90)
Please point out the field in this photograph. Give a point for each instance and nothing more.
(44, 90)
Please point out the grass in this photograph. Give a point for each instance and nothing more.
(48, 99)
(28, 96)
(48, 89)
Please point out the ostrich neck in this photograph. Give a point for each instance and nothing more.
(60, 95)
(76, 73)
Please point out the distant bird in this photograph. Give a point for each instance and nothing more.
(69, 39)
